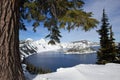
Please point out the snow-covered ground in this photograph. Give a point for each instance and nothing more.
(81, 72)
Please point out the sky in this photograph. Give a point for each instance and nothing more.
(112, 8)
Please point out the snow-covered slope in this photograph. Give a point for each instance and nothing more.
(29, 46)
(83, 46)
(81, 72)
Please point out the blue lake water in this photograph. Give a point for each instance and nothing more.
(55, 61)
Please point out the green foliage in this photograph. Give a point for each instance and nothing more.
(107, 52)
(54, 34)
(56, 14)
(34, 70)
(113, 48)
(104, 32)
(78, 18)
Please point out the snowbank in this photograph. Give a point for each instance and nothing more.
(82, 72)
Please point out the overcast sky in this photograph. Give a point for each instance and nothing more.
(112, 8)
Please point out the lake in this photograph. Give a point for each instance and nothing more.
(55, 61)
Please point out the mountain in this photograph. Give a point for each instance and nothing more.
(29, 46)
(82, 46)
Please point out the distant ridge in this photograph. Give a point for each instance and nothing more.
(29, 46)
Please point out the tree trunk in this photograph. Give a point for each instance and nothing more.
(10, 64)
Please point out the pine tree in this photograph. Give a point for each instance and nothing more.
(107, 51)
(104, 39)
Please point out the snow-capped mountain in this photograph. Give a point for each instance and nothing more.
(29, 46)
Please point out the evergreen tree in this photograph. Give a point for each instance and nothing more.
(107, 51)
(104, 39)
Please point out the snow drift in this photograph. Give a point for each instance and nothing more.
(82, 72)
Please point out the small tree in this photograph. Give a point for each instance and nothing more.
(104, 39)
(107, 52)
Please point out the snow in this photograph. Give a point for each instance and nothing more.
(29, 39)
(109, 71)
(42, 45)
